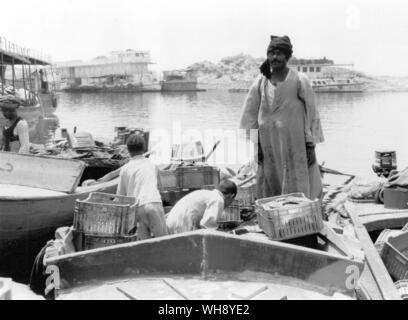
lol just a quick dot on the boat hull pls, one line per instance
(210, 253)
(179, 85)
(27, 224)
(339, 88)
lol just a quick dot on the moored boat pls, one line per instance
(217, 266)
(37, 195)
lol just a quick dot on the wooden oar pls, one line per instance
(212, 150)
(246, 180)
(331, 171)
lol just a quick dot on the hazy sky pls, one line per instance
(371, 34)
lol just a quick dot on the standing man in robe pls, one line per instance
(281, 105)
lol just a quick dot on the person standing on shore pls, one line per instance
(15, 137)
(138, 179)
(281, 106)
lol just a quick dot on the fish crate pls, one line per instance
(83, 242)
(246, 196)
(395, 256)
(384, 236)
(195, 177)
(170, 196)
(290, 222)
(107, 215)
(230, 218)
(402, 287)
(168, 179)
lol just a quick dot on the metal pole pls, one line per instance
(13, 76)
(30, 83)
(54, 85)
(2, 73)
(24, 84)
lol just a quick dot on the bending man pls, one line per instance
(201, 208)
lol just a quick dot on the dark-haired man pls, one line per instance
(281, 105)
(138, 178)
(201, 208)
(15, 137)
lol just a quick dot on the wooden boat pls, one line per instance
(37, 195)
(367, 217)
(218, 266)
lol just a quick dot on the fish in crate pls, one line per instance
(289, 216)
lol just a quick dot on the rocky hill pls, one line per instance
(231, 72)
(239, 71)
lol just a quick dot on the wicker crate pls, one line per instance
(231, 213)
(196, 177)
(168, 179)
(103, 214)
(384, 236)
(288, 223)
(84, 241)
(170, 196)
(246, 196)
(208, 187)
(395, 256)
(402, 287)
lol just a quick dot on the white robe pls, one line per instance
(287, 118)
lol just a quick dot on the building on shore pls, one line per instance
(122, 71)
(326, 76)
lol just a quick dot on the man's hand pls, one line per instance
(310, 154)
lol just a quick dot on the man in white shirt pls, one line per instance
(138, 178)
(15, 137)
(201, 208)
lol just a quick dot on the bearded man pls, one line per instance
(281, 105)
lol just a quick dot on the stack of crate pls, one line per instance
(175, 184)
(103, 220)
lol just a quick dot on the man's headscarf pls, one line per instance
(281, 43)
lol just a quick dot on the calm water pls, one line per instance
(354, 124)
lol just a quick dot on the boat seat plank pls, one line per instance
(14, 192)
(377, 267)
(375, 217)
(369, 209)
(40, 172)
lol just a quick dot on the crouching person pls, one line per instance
(138, 178)
(201, 208)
